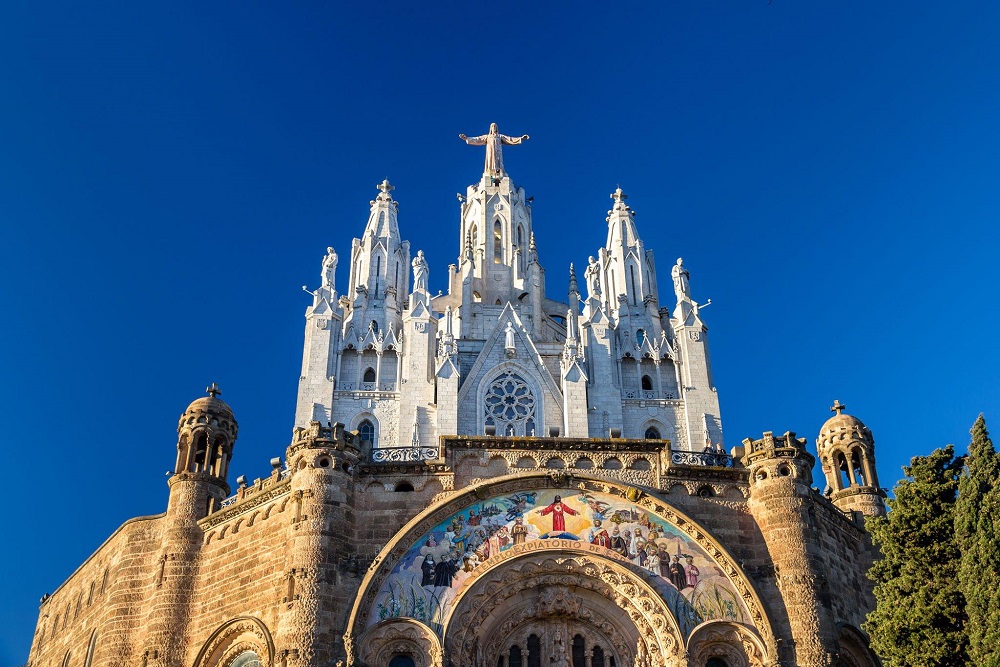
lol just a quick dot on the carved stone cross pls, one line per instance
(214, 390)
(837, 407)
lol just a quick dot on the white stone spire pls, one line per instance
(380, 269)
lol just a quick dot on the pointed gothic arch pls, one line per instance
(497, 241)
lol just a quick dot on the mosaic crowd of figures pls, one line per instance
(443, 562)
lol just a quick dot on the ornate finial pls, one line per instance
(619, 196)
(214, 390)
(531, 242)
(573, 287)
(837, 407)
(385, 187)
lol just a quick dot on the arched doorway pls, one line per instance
(556, 607)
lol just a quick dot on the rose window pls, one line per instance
(510, 406)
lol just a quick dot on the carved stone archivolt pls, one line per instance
(233, 638)
(398, 636)
(738, 645)
(560, 594)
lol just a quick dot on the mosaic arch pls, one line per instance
(441, 554)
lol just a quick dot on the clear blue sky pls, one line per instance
(171, 174)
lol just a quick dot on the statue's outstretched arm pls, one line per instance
(474, 141)
(513, 141)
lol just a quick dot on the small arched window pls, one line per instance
(369, 375)
(640, 336)
(515, 659)
(716, 662)
(403, 487)
(647, 383)
(374, 326)
(597, 659)
(366, 432)
(579, 652)
(843, 474)
(534, 651)
(652, 433)
(497, 243)
(402, 661)
(859, 473)
(631, 270)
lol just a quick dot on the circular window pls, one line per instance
(510, 406)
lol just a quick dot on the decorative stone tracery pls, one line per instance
(235, 637)
(737, 644)
(565, 592)
(399, 636)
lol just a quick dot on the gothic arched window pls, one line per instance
(647, 383)
(366, 432)
(859, 473)
(369, 375)
(497, 243)
(652, 433)
(631, 270)
(534, 651)
(510, 406)
(579, 652)
(514, 659)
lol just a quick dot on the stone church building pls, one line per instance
(490, 477)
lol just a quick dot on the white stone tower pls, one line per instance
(494, 355)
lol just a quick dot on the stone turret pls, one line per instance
(847, 452)
(322, 461)
(206, 435)
(783, 505)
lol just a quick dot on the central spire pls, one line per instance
(494, 142)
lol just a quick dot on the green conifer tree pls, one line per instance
(977, 531)
(919, 616)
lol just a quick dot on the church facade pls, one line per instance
(490, 477)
